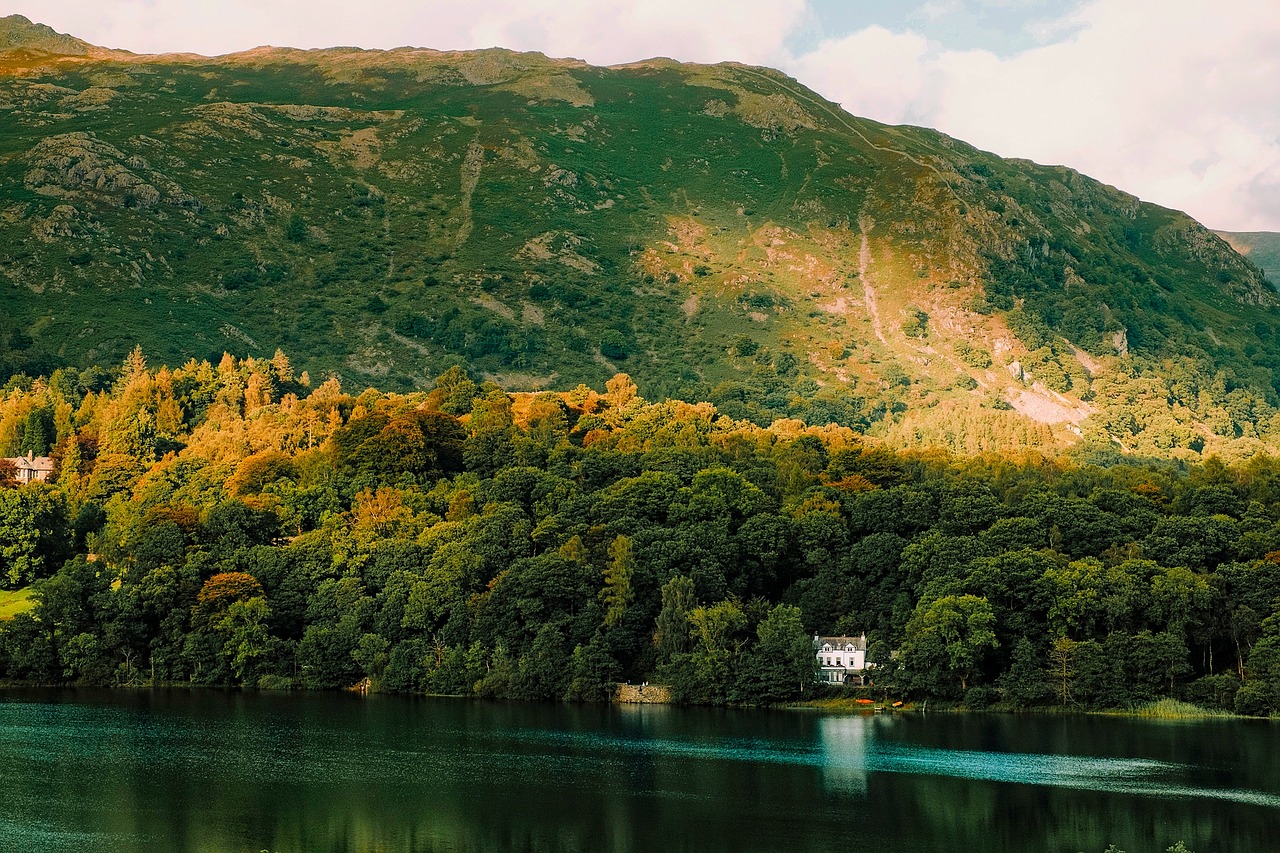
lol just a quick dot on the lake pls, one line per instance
(203, 770)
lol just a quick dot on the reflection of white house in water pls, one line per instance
(845, 741)
(842, 660)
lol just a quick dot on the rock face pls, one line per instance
(643, 694)
(78, 164)
(720, 232)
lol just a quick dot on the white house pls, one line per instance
(32, 468)
(841, 660)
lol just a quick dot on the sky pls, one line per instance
(1176, 101)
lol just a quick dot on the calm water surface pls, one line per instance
(210, 771)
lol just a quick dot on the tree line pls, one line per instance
(231, 524)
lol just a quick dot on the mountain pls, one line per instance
(719, 232)
(18, 33)
(1261, 247)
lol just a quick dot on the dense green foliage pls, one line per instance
(721, 232)
(229, 525)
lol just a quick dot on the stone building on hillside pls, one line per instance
(32, 468)
(841, 660)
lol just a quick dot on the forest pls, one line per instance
(236, 525)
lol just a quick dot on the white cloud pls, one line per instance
(600, 31)
(1173, 101)
(705, 31)
(873, 73)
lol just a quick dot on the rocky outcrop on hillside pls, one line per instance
(74, 164)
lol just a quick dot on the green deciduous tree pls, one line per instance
(781, 664)
(707, 673)
(947, 639)
(1026, 682)
(593, 673)
(34, 536)
(1260, 695)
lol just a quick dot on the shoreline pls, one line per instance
(1164, 710)
(1167, 710)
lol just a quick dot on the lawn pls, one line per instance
(13, 602)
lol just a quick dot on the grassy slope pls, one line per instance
(383, 215)
(13, 602)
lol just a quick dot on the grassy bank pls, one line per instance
(850, 703)
(13, 602)
(1171, 709)
(1163, 709)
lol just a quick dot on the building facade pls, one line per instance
(841, 660)
(32, 468)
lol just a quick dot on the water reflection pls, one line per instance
(210, 771)
(845, 742)
(850, 751)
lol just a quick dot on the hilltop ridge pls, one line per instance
(17, 32)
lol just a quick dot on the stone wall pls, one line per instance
(652, 694)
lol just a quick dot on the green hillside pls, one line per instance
(719, 232)
(1261, 247)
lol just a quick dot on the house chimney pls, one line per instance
(31, 455)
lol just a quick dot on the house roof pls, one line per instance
(858, 643)
(31, 462)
